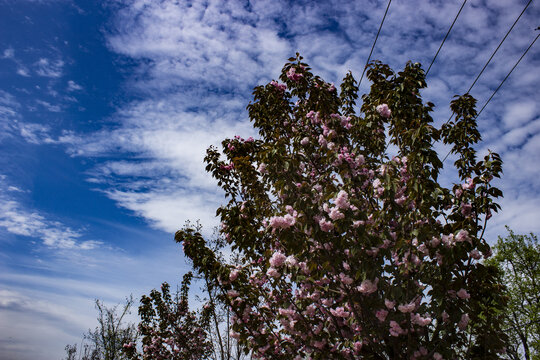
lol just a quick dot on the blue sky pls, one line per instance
(106, 109)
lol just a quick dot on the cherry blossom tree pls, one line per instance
(350, 247)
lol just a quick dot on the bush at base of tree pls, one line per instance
(347, 251)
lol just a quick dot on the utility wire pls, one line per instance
(502, 82)
(374, 42)
(497, 49)
(489, 60)
(506, 77)
(440, 47)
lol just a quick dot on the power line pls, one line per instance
(440, 47)
(506, 77)
(502, 82)
(497, 49)
(374, 42)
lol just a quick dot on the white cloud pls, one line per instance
(73, 86)
(9, 114)
(8, 53)
(16, 219)
(201, 60)
(23, 71)
(518, 114)
(49, 68)
(50, 107)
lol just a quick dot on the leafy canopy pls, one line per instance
(347, 251)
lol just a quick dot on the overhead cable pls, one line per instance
(497, 49)
(374, 42)
(442, 43)
(502, 82)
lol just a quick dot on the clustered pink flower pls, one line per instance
(381, 314)
(463, 294)
(463, 322)
(384, 111)
(233, 275)
(325, 225)
(273, 272)
(278, 259)
(340, 312)
(282, 222)
(389, 304)
(368, 287)
(463, 235)
(420, 320)
(395, 329)
(407, 308)
(280, 87)
(291, 74)
(469, 185)
(342, 200)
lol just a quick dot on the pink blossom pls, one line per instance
(367, 287)
(437, 356)
(335, 214)
(389, 304)
(419, 320)
(340, 312)
(448, 240)
(342, 200)
(233, 275)
(347, 280)
(466, 209)
(400, 200)
(357, 346)
(445, 316)
(322, 141)
(234, 334)
(475, 254)
(273, 273)
(325, 225)
(395, 329)
(463, 294)
(407, 308)
(304, 141)
(291, 261)
(291, 74)
(381, 314)
(469, 185)
(463, 322)
(463, 235)
(277, 260)
(282, 222)
(280, 87)
(233, 293)
(384, 111)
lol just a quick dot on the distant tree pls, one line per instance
(518, 256)
(106, 341)
(71, 351)
(111, 334)
(218, 315)
(169, 329)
